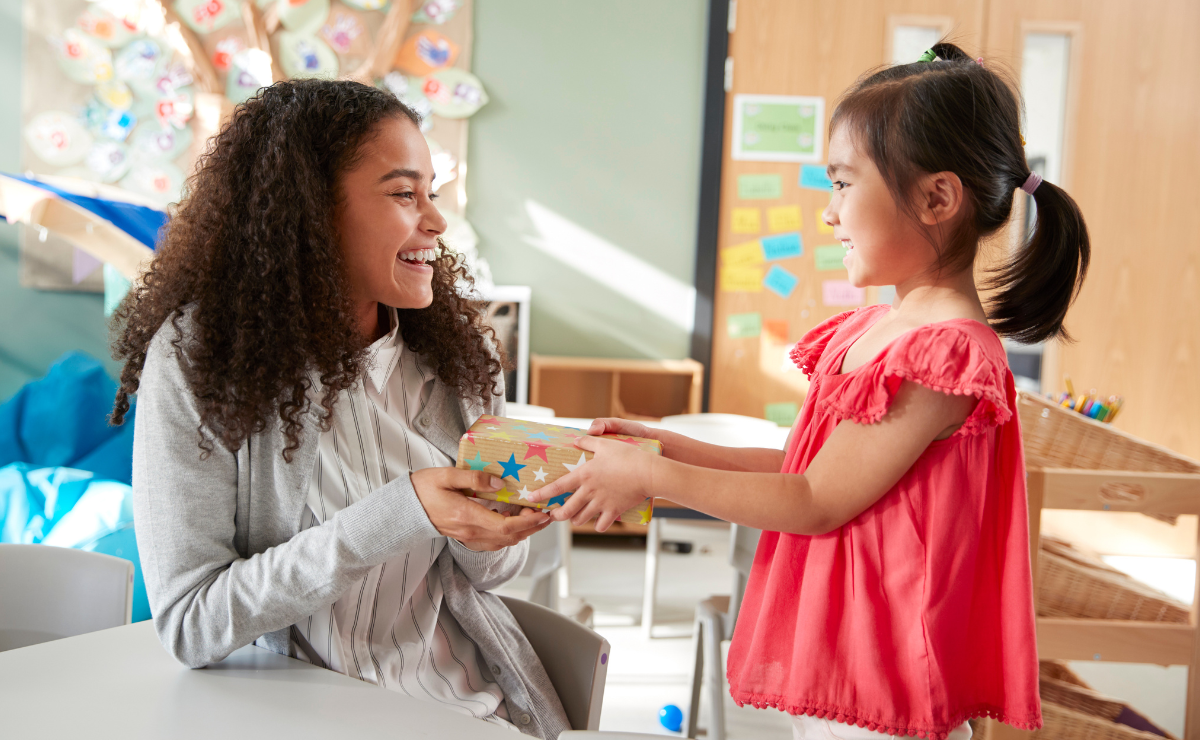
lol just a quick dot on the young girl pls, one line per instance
(891, 591)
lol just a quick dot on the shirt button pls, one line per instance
(424, 421)
(525, 719)
(495, 670)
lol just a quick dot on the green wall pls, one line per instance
(590, 147)
(35, 326)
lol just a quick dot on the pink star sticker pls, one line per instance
(627, 440)
(536, 450)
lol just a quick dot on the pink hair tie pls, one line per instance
(979, 61)
(1032, 182)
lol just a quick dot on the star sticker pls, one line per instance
(504, 495)
(628, 440)
(570, 467)
(470, 437)
(646, 515)
(500, 435)
(539, 435)
(525, 492)
(559, 499)
(478, 463)
(540, 475)
(522, 427)
(536, 450)
(493, 428)
(512, 469)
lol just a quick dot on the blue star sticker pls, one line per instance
(539, 435)
(512, 468)
(478, 463)
(560, 499)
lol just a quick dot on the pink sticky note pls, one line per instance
(83, 265)
(841, 293)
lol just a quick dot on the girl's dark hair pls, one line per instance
(253, 254)
(955, 115)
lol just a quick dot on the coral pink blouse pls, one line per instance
(918, 614)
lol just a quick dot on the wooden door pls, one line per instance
(803, 48)
(1132, 162)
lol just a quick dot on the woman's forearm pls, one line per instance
(701, 454)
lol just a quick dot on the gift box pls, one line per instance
(526, 456)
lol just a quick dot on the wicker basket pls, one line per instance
(1072, 584)
(1060, 438)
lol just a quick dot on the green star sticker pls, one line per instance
(478, 463)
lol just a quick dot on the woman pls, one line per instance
(305, 368)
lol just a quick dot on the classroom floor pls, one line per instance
(646, 674)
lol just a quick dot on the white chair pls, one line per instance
(55, 592)
(715, 618)
(589, 735)
(575, 659)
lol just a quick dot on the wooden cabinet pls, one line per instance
(581, 387)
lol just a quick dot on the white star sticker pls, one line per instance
(525, 492)
(540, 476)
(493, 428)
(582, 460)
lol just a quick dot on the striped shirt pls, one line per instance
(392, 628)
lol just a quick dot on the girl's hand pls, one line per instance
(614, 481)
(619, 426)
(441, 492)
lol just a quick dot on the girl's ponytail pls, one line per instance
(1043, 277)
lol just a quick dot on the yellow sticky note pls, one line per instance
(746, 220)
(741, 279)
(783, 218)
(750, 253)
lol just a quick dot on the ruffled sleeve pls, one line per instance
(950, 359)
(808, 350)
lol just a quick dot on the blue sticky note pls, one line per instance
(780, 281)
(782, 246)
(813, 176)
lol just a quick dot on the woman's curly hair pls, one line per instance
(252, 254)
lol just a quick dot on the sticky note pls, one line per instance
(782, 246)
(780, 281)
(822, 227)
(750, 253)
(829, 257)
(740, 279)
(841, 293)
(743, 325)
(745, 220)
(776, 330)
(813, 177)
(783, 414)
(783, 218)
(759, 187)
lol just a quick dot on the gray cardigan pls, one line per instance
(225, 561)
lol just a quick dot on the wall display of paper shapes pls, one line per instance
(778, 128)
(425, 53)
(117, 96)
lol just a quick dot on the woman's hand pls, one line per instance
(441, 492)
(615, 480)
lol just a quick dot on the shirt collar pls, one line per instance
(383, 354)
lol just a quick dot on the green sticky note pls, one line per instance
(829, 257)
(760, 187)
(783, 414)
(744, 325)
(778, 128)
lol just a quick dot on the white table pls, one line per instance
(121, 684)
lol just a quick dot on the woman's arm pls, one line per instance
(857, 465)
(690, 451)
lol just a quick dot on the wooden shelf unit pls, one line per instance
(1116, 640)
(584, 387)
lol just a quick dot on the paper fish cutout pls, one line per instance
(82, 58)
(304, 17)
(436, 11)
(306, 56)
(105, 27)
(249, 70)
(114, 94)
(152, 142)
(425, 53)
(206, 16)
(454, 93)
(108, 160)
(223, 57)
(58, 139)
(161, 182)
(340, 31)
(138, 61)
(175, 110)
(408, 89)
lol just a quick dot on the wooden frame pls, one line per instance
(592, 387)
(1115, 640)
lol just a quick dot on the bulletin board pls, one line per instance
(779, 271)
(127, 93)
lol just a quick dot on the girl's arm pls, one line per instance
(857, 465)
(694, 452)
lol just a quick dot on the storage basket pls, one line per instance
(1060, 438)
(1072, 584)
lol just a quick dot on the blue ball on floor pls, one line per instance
(671, 717)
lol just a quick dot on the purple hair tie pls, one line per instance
(1032, 182)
